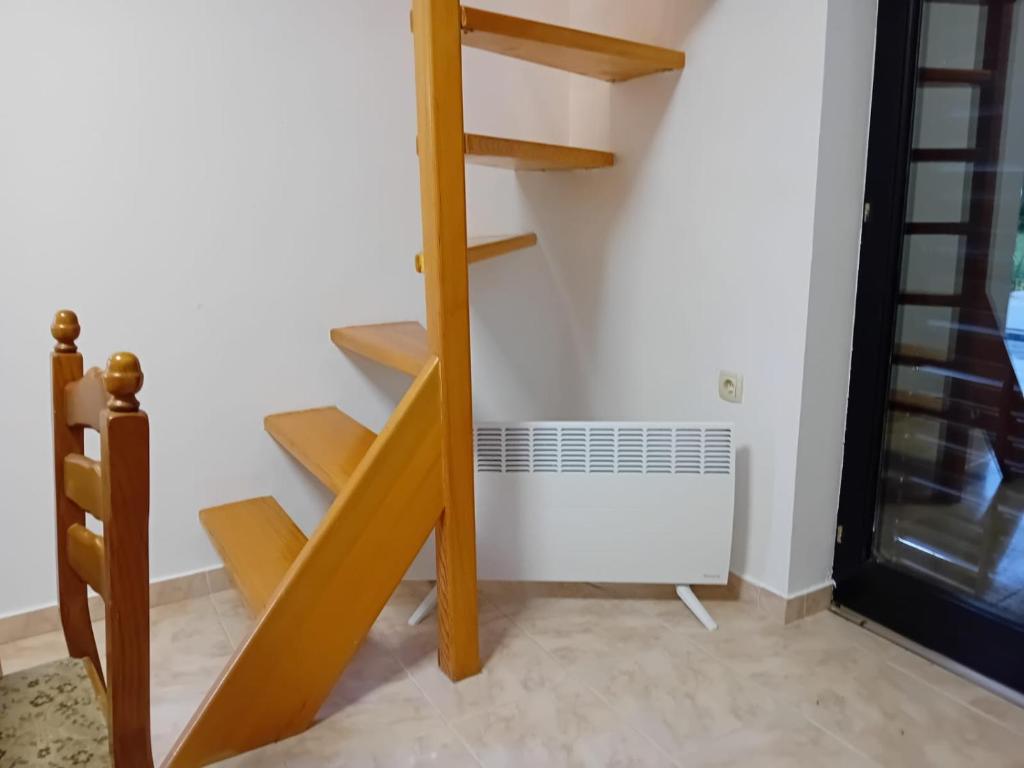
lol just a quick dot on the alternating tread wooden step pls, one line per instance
(520, 155)
(402, 346)
(278, 680)
(325, 441)
(258, 543)
(490, 246)
(585, 53)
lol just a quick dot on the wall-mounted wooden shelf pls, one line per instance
(584, 53)
(531, 155)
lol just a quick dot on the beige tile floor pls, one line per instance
(597, 676)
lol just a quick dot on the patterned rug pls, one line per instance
(50, 717)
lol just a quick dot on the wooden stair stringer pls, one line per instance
(278, 679)
(571, 50)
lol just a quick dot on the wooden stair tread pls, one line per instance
(258, 542)
(585, 53)
(490, 246)
(402, 346)
(325, 441)
(521, 155)
(279, 678)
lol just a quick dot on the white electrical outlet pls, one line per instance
(730, 387)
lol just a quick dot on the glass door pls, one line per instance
(933, 485)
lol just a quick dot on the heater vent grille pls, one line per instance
(604, 448)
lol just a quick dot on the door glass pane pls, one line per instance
(951, 507)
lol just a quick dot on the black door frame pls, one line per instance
(924, 612)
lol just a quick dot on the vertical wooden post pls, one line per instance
(124, 436)
(72, 595)
(437, 33)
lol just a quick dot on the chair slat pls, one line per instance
(83, 484)
(87, 557)
(86, 399)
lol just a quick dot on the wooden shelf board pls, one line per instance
(531, 155)
(325, 441)
(489, 246)
(258, 542)
(402, 346)
(572, 50)
(486, 247)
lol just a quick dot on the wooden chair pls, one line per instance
(68, 712)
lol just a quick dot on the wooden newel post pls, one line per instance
(437, 34)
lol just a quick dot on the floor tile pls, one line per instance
(593, 674)
(32, 651)
(783, 740)
(189, 649)
(960, 689)
(671, 690)
(561, 725)
(234, 614)
(732, 616)
(857, 695)
(377, 717)
(514, 666)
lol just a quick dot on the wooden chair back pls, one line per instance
(115, 490)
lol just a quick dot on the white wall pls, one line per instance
(213, 185)
(725, 215)
(842, 152)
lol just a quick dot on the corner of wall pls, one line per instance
(845, 113)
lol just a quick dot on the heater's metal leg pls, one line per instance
(687, 596)
(425, 608)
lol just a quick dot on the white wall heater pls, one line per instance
(644, 502)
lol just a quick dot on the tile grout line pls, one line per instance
(959, 702)
(447, 723)
(223, 626)
(896, 647)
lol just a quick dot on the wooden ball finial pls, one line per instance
(123, 380)
(65, 330)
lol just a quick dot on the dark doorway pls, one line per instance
(931, 515)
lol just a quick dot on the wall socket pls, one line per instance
(730, 386)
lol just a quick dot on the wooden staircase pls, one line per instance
(315, 600)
